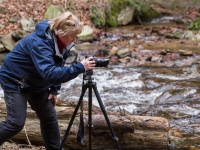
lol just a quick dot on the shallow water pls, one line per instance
(161, 92)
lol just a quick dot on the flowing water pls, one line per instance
(172, 93)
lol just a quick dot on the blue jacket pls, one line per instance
(35, 64)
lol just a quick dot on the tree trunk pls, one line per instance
(133, 132)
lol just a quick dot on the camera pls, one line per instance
(100, 62)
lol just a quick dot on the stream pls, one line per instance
(169, 92)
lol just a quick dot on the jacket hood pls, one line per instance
(41, 28)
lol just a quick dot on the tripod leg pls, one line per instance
(105, 114)
(84, 88)
(90, 126)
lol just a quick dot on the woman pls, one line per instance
(34, 70)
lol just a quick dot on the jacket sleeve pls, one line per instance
(54, 89)
(42, 56)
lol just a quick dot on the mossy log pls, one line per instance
(134, 132)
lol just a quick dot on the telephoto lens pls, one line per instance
(101, 62)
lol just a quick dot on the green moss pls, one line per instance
(106, 14)
(97, 18)
(195, 25)
(174, 4)
(178, 142)
(150, 13)
(112, 15)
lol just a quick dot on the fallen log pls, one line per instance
(134, 132)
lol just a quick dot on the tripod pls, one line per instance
(90, 85)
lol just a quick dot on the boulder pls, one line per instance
(52, 12)
(86, 34)
(8, 42)
(125, 16)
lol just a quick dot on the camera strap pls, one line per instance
(80, 134)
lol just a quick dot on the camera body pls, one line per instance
(100, 62)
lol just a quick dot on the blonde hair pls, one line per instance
(66, 24)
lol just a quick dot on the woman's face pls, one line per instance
(68, 39)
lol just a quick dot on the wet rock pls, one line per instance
(132, 63)
(131, 42)
(188, 35)
(144, 55)
(156, 58)
(185, 53)
(164, 52)
(113, 51)
(123, 53)
(171, 57)
(193, 70)
(128, 35)
(125, 60)
(151, 84)
(172, 36)
(169, 63)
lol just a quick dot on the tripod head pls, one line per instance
(88, 75)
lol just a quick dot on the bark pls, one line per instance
(133, 132)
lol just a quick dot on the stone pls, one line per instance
(185, 53)
(28, 24)
(113, 51)
(19, 34)
(2, 48)
(13, 19)
(1, 1)
(123, 53)
(188, 35)
(125, 16)
(8, 42)
(86, 34)
(52, 12)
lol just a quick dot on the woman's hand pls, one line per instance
(88, 63)
(53, 98)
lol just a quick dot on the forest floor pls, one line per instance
(36, 9)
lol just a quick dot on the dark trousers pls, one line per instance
(16, 105)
